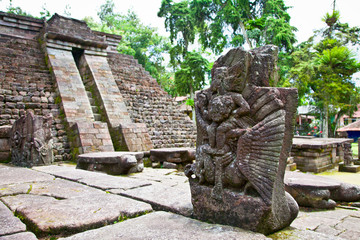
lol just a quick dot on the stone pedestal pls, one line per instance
(238, 209)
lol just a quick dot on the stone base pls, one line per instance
(114, 163)
(350, 168)
(236, 209)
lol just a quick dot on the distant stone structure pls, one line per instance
(320, 154)
(31, 141)
(244, 138)
(100, 100)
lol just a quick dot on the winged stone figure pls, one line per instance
(244, 137)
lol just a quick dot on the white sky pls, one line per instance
(305, 15)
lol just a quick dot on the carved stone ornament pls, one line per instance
(31, 141)
(244, 135)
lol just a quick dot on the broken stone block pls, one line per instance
(172, 155)
(319, 192)
(114, 163)
(244, 135)
(31, 141)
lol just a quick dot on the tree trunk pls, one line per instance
(242, 26)
(326, 121)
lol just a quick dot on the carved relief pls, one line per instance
(242, 124)
(31, 141)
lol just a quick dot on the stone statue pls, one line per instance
(243, 141)
(31, 141)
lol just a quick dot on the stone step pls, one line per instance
(95, 109)
(97, 117)
(92, 101)
(89, 94)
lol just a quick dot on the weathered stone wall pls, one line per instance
(26, 83)
(5, 143)
(149, 104)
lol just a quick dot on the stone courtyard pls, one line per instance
(61, 201)
(65, 93)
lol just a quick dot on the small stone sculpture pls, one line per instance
(243, 141)
(31, 141)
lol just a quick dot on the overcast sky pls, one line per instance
(305, 15)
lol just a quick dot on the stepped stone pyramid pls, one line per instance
(100, 100)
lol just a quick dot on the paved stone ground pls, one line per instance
(61, 201)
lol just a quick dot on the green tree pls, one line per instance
(141, 41)
(219, 24)
(323, 71)
(191, 75)
(190, 66)
(231, 23)
(179, 22)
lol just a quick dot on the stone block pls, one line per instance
(172, 155)
(4, 145)
(114, 163)
(5, 157)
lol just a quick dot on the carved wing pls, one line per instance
(259, 150)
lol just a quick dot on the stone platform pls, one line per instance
(61, 201)
(318, 154)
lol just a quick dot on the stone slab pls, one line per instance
(108, 157)
(297, 234)
(163, 225)
(336, 224)
(173, 198)
(318, 143)
(169, 191)
(11, 175)
(301, 180)
(93, 179)
(160, 175)
(19, 236)
(319, 192)
(54, 188)
(350, 168)
(58, 216)
(9, 224)
(173, 155)
(115, 163)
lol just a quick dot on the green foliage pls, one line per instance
(219, 24)
(191, 75)
(232, 23)
(323, 71)
(17, 10)
(44, 13)
(178, 20)
(138, 40)
(190, 102)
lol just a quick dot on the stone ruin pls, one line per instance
(100, 100)
(31, 141)
(245, 130)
